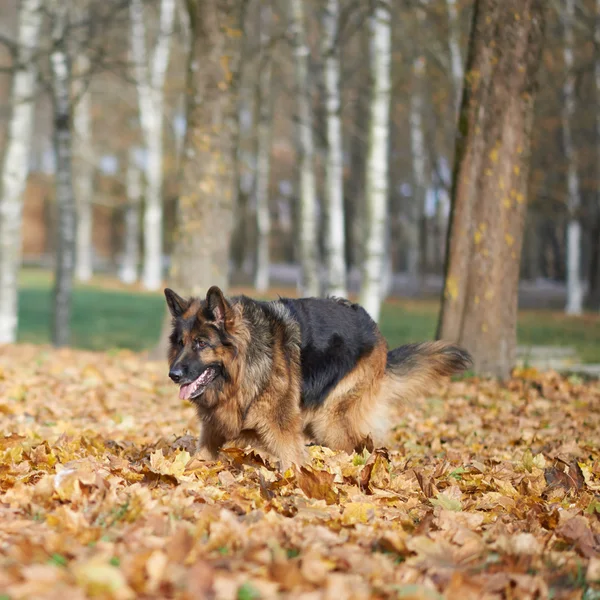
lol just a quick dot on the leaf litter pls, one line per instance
(484, 490)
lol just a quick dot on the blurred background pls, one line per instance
(102, 105)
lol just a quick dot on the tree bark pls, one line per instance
(574, 287)
(204, 218)
(65, 198)
(84, 170)
(131, 247)
(308, 244)
(335, 243)
(150, 86)
(263, 151)
(15, 160)
(456, 61)
(371, 295)
(479, 302)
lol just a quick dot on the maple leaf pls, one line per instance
(317, 484)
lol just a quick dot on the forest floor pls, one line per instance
(108, 315)
(483, 491)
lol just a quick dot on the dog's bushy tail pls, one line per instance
(414, 369)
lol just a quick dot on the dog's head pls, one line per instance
(201, 348)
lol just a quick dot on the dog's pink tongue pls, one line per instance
(185, 391)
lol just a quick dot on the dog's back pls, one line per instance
(335, 335)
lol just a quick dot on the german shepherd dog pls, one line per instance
(275, 375)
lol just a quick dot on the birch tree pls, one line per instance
(263, 147)
(479, 302)
(83, 168)
(131, 247)
(150, 79)
(371, 295)
(15, 159)
(456, 61)
(308, 194)
(61, 81)
(594, 289)
(334, 187)
(574, 287)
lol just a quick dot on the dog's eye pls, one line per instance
(199, 344)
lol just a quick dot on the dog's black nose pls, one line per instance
(176, 374)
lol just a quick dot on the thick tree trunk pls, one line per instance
(131, 247)
(335, 244)
(308, 228)
(150, 86)
(263, 152)
(15, 160)
(479, 303)
(371, 295)
(205, 206)
(84, 171)
(65, 198)
(574, 287)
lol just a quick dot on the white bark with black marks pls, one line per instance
(263, 158)
(371, 295)
(308, 192)
(150, 79)
(334, 188)
(14, 166)
(65, 198)
(84, 170)
(131, 247)
(574, 287)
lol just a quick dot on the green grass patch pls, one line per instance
(107, 316)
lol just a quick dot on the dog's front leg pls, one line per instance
(210, 443)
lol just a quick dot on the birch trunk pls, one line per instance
(334, 191)
(131, 246)
(308, 192)
(420, 179)
(84, 172)
(263, 158)
(456, 61)
(371, 295)
(65, 199)
(15, 159)
(150, 87)
(574, 288)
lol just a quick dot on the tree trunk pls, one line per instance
(204, 219)
(150, 87)
(308, 193)
(15, 160)
(263, 151)
(131, 247)
(84, 171)
(415, 259)
(479, 302)
(456, 61)
(594, 289)
(574, 288)
(335, 244)
(371, 295)
(65, 199)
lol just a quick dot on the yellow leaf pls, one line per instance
(358, 512)
(446, 502)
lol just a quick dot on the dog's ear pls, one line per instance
(177, 305)
(217, 304)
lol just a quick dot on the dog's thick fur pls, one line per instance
(285, 372)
